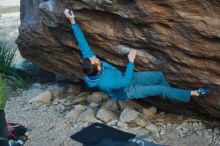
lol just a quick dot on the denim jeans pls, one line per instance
(153, 83)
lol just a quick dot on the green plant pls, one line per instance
(7, 70)
(2, 93)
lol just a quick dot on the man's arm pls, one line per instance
(117, 82)
(128, 75)
(82, 43)
(130, 67)
(80, 38)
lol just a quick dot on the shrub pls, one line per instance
(7, 70)
(2, 94)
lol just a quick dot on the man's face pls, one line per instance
(95, 61)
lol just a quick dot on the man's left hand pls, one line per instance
(69, 14)
(132, 55)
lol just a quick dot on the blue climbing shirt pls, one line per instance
(110, 80)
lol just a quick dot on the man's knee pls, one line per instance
(164, 91)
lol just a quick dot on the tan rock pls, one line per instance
(106, 115)
(74, 89)
(43, 98)
(87, 116)
(152, 128)
(112, 105)
(130, 104)
(122, 125)
(97, 97)
(56, 91)
(80, 100)
(112, 123)
(131, 116)
(141, 121)
(128, 115)
(73, 115)
(94, 105)
(150, 112)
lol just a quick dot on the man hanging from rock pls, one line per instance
(130, 84)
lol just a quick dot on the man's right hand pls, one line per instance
(132, 55)
(69, 14)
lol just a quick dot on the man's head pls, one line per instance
(91, 66)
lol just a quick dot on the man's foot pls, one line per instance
(204, 91)
(201, 91)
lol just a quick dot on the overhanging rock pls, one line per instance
(181, 38)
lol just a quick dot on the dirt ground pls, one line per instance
(50, 128)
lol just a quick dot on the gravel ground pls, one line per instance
(50, 128)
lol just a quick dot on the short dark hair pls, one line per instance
(88, 68)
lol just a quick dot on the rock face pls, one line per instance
(181, 38)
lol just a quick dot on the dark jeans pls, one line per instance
(3, 129)
(153, 83)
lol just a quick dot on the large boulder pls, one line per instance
(181, 38)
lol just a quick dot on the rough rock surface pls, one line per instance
(181, 38)
(74, 114)
(106, 115)
(87, 116)
(149, 112)
(97, 97)
(128, 115)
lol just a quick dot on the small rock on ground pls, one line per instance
(106, 115)
(44, 98)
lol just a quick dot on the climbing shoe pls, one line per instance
(204, 90)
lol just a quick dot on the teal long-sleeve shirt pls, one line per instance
(112, 81)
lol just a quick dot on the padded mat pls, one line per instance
(96, 132)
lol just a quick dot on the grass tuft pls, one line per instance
(2, 93)
(7, 70)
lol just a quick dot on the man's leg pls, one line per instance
(150, 78)
(175, 94)
(3, 129)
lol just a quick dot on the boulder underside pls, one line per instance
(180, 38)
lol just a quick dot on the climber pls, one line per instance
(130, 84)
